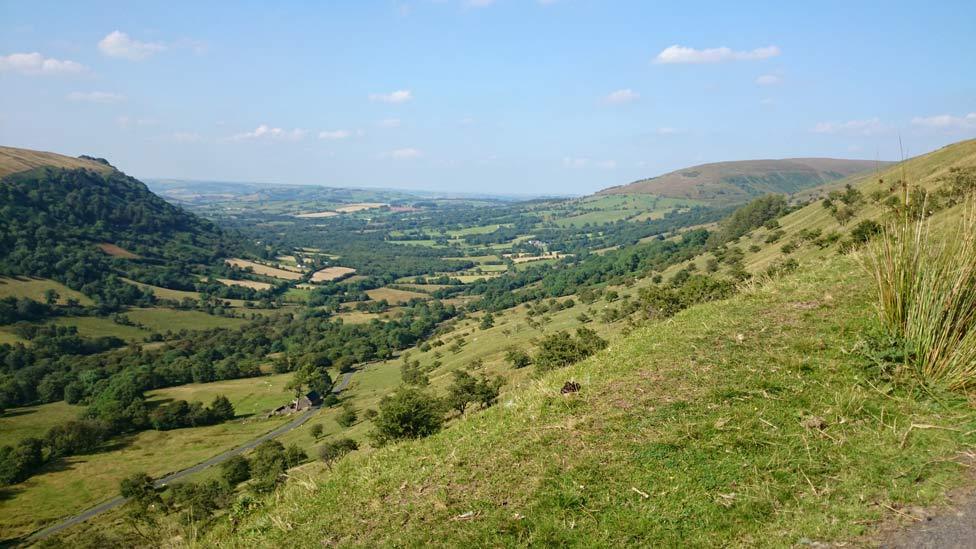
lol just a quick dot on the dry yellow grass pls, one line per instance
(116, 251)
(13, 160)
(245, 283)
(393, 296)
(358, 207)
(266, 270)
(332, 273)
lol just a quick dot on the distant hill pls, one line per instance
(82, 222)
(739, 181)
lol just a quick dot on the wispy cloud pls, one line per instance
(946, 122)
(120, 44)
(869, 126)
(96, 97)
(35, 63)
(682, 54)
(406, 153)
(267, 132)
(480, 3)
(621, 97)
(399, 96)
(768, 80)
(665, 130)
(389, 123)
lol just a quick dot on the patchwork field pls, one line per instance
(394, 296)
(261, 269)
(246, 283)
(95, 326)
(360, 206)
(316, 215)
(332, 273)
(17, 424)
(250, 396)
(166, 293)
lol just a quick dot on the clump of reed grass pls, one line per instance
(925, 279)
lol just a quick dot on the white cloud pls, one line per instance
(406, 153)
(621, 97)
(607, 164)
(35, 63)
(334, 134)
(869, 126)
(946, 122)
(665, 130)
(399, 96)
(120, 44)
(480, 3)
(96, 97)
(389, 123)
(267, 132)
(768, 80)
(683, 54)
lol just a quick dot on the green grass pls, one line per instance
(34, 288)
(94, 326)
(746, 422)
(162, 319)
(17, 424)
(249, 395)
(71, 485)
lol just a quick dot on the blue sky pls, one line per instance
(513, 96)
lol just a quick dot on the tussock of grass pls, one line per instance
(925, 282)
(744, 422)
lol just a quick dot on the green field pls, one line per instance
(162, 319)
(34, 288)
(250, 396)
(95, 326)
(33, 421)
(70, 485)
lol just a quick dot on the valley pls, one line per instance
(636, 297)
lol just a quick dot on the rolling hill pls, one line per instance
(739, 181)
(80, 221)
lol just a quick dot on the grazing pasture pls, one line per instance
(35, 288)
(394, 296)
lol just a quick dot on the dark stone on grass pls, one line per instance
(570, 387)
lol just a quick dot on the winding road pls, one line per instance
(216, 460)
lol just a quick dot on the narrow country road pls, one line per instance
(220, 458)
(341, 386)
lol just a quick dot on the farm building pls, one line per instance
(300, 404)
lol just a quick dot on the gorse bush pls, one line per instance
(926, 286)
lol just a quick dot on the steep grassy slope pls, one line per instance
(731, 182)
(748, 421)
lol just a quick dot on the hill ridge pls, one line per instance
(739, 180)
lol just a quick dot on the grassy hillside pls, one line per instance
(745, 422)
(731, 182)
(13, 160)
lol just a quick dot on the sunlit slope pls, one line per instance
(732, 182)
(13, 160)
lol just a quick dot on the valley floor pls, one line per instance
(754, 421)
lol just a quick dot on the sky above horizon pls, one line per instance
(490, 96)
